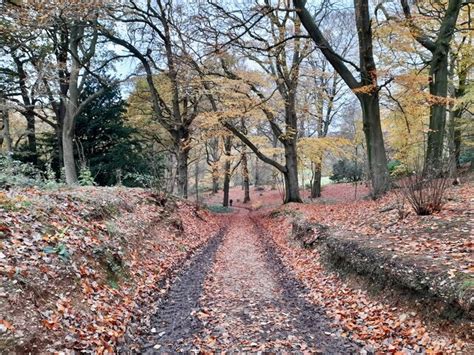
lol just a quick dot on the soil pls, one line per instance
(173, 324)
(236, 295)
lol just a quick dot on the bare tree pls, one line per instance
(323, 94)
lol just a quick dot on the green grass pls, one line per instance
(325, 180)
(219, 209)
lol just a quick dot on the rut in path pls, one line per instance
(245, 301)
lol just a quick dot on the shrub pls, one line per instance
(85, 177)
(400, 170)
(153, 177)
(14, 173)
(424, 191)
(346, 171)
(467, 156)
(219, 209)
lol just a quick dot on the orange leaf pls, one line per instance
(51, 324)
(6, 324)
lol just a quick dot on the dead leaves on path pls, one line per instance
(376, 325)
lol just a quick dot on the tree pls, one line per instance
(438, 76)
(158, 26)
(323, 98)
(461, 64)
(366, 89)
(433, 27)
(104, 142)
(279, 55)
(227, 169)
(20, 49)
(69, 30)
(81, 56)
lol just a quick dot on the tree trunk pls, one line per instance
(182, 148)
(215, 184)
(6, 137)
(439, 92)
(226, 186)
(31, 154)
(257, 173)
(57, 158)
(31, 136)
(457, 147)
(451, 144)
(454, 141)
(172, 174)
(182, 171)
(196, 181)
(72, 104)
(227, 151)
(68, 148)
(369, 100)
(292, 193)
(376, 156)
(457, 115)
(316, 185)
(303, 185)
(439, 87)
(1, 132)
(274, 171)
(245, 177)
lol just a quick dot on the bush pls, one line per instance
(346, 171)
(400, 170)
(85, 177)
(467, 156)
(152, 177)
(14, 173)
(424, 191)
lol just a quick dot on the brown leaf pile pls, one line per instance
(75, 264)
(375, 323)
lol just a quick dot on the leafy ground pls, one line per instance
(75, 265)
(110, 269)
(442, 241)
(243, 300)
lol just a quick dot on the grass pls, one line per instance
(325, 180)
(219, 209)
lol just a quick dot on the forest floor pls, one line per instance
(113, 269)
(78, 265)
(246, 301)
(398, 284)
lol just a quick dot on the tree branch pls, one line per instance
(254, 148)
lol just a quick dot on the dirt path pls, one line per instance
(245, 301)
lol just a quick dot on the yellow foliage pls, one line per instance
(314, 149)
(140, 113)
(406, 129)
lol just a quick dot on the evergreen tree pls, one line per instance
(104, 143)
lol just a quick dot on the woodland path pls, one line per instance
(236, 295)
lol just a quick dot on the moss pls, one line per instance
(467, 283)
(113, 264)
(285, 213)
(399, 272)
